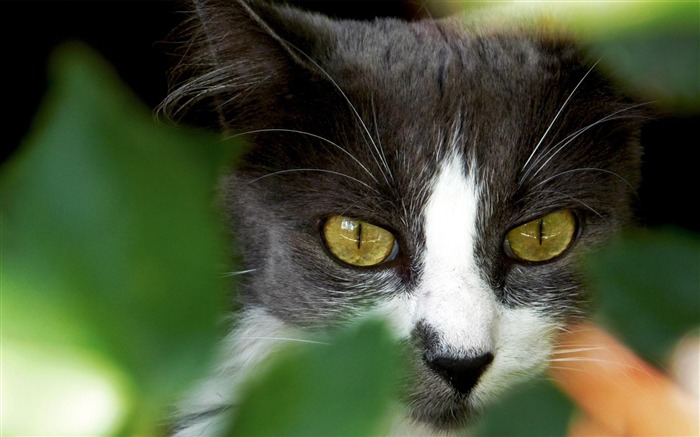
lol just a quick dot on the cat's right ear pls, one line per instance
(243, 52)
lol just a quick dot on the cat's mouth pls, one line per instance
(448, 390)
(441, 401)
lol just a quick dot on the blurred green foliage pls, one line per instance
(341, 387)
(648, 289)
(113, 260)
(110, 243)
(652, 47)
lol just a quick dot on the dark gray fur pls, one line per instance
(256, 67)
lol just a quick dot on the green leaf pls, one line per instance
(647, 285)
(111, 245)
(536, 409)
(660, 64)
(340, 388)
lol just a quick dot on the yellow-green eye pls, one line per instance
(358, 243)
(542, 239)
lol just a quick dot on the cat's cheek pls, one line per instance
(524, 342)
(398, 312)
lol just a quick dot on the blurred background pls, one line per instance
(133, 35)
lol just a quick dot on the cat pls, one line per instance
(445, 174)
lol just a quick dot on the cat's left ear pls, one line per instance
(236, 25)
(245, 46)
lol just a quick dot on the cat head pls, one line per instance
(441, 173)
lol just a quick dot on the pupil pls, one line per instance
(540, 229)
(359, 235)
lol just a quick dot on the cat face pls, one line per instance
(444, 178)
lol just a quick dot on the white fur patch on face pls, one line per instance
(523, 343)
(455, 300)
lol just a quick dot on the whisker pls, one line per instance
(287, 339)
(566, 368)
(249, 91)
(569, 329)
(589, 360)
(423, 7)
(210, 83)
(577, 201)
(611, 363)
(554, 150)
(580, 349)
(364, 199)
(320, 170)
(556, 117)
(382, 155)
(580, 169)
(310, 135)
(241, 272)
(352, 107)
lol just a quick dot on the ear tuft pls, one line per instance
(235, 47)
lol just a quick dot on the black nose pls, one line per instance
(461, 373)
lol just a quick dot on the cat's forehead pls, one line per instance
(417, 55)
(430, 75)
(422, 86)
